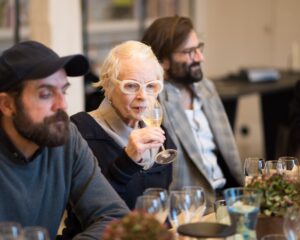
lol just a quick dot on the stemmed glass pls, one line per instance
(35, 233)
(179, 208)
(273, 166)
(10, 231)
(162, 195)
(197, 204)
(152, 116)
(290, 166)
(291, 224)
(151, 204)
(253, 167)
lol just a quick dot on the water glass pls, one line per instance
(10, 231)
(198, 204)
(243, 208)
(291, 224)
(162, 195)
(35, 233)
(152, 205)
(253, 167)
(222, 215)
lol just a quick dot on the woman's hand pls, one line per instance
(143, 139)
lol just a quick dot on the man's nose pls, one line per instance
(199, 56)
(60, 102)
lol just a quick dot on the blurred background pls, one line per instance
(238, 35)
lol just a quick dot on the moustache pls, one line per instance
(59, 116)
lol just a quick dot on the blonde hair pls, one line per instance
(128, 50)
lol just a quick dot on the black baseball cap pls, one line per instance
(32, 60)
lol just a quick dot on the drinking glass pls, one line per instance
(197, 204)
(162, 194)
(253, 167)
(179, 208)
(221, 212)
(10, 231)
(152, 116)
(290, 166)
(243, 208)
(291, 224)
(273, 166)
(35, 233)
(152, 205)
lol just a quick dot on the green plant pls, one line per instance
(137, 225)
(279, 194)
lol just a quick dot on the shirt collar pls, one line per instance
(17, 156)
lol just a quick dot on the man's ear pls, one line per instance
(165, 63)
(7, 105)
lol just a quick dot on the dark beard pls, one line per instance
(185, 74)
(49, 133)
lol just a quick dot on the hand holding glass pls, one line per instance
(152, 116)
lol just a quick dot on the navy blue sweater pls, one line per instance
(128, 178)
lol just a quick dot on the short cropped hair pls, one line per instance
(128, 50)
(166, 34)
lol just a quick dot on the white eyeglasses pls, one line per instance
(133, 87)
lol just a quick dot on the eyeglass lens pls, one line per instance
(133, 87)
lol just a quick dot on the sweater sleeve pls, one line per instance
(93, 200)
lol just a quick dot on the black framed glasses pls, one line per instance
(193, 50)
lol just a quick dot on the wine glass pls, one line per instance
(162, 194)
(197, 202)
(151, 204)
(179, 208)
(291, 224)
(253, 167)
(35, 233)
(152, 116)
(273, 166)
(10, 231)
(290, 166)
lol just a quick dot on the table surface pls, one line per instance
(233, 87)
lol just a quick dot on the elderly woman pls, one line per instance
(125, 149)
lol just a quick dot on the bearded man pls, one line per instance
(45, 163)
(193, 112)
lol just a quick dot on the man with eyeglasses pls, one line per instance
(194, 114)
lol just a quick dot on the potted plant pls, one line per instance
(279, 194)
(137, 225)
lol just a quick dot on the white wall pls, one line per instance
(57, 24)
(245, 33)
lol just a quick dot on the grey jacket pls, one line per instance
(188, 169)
